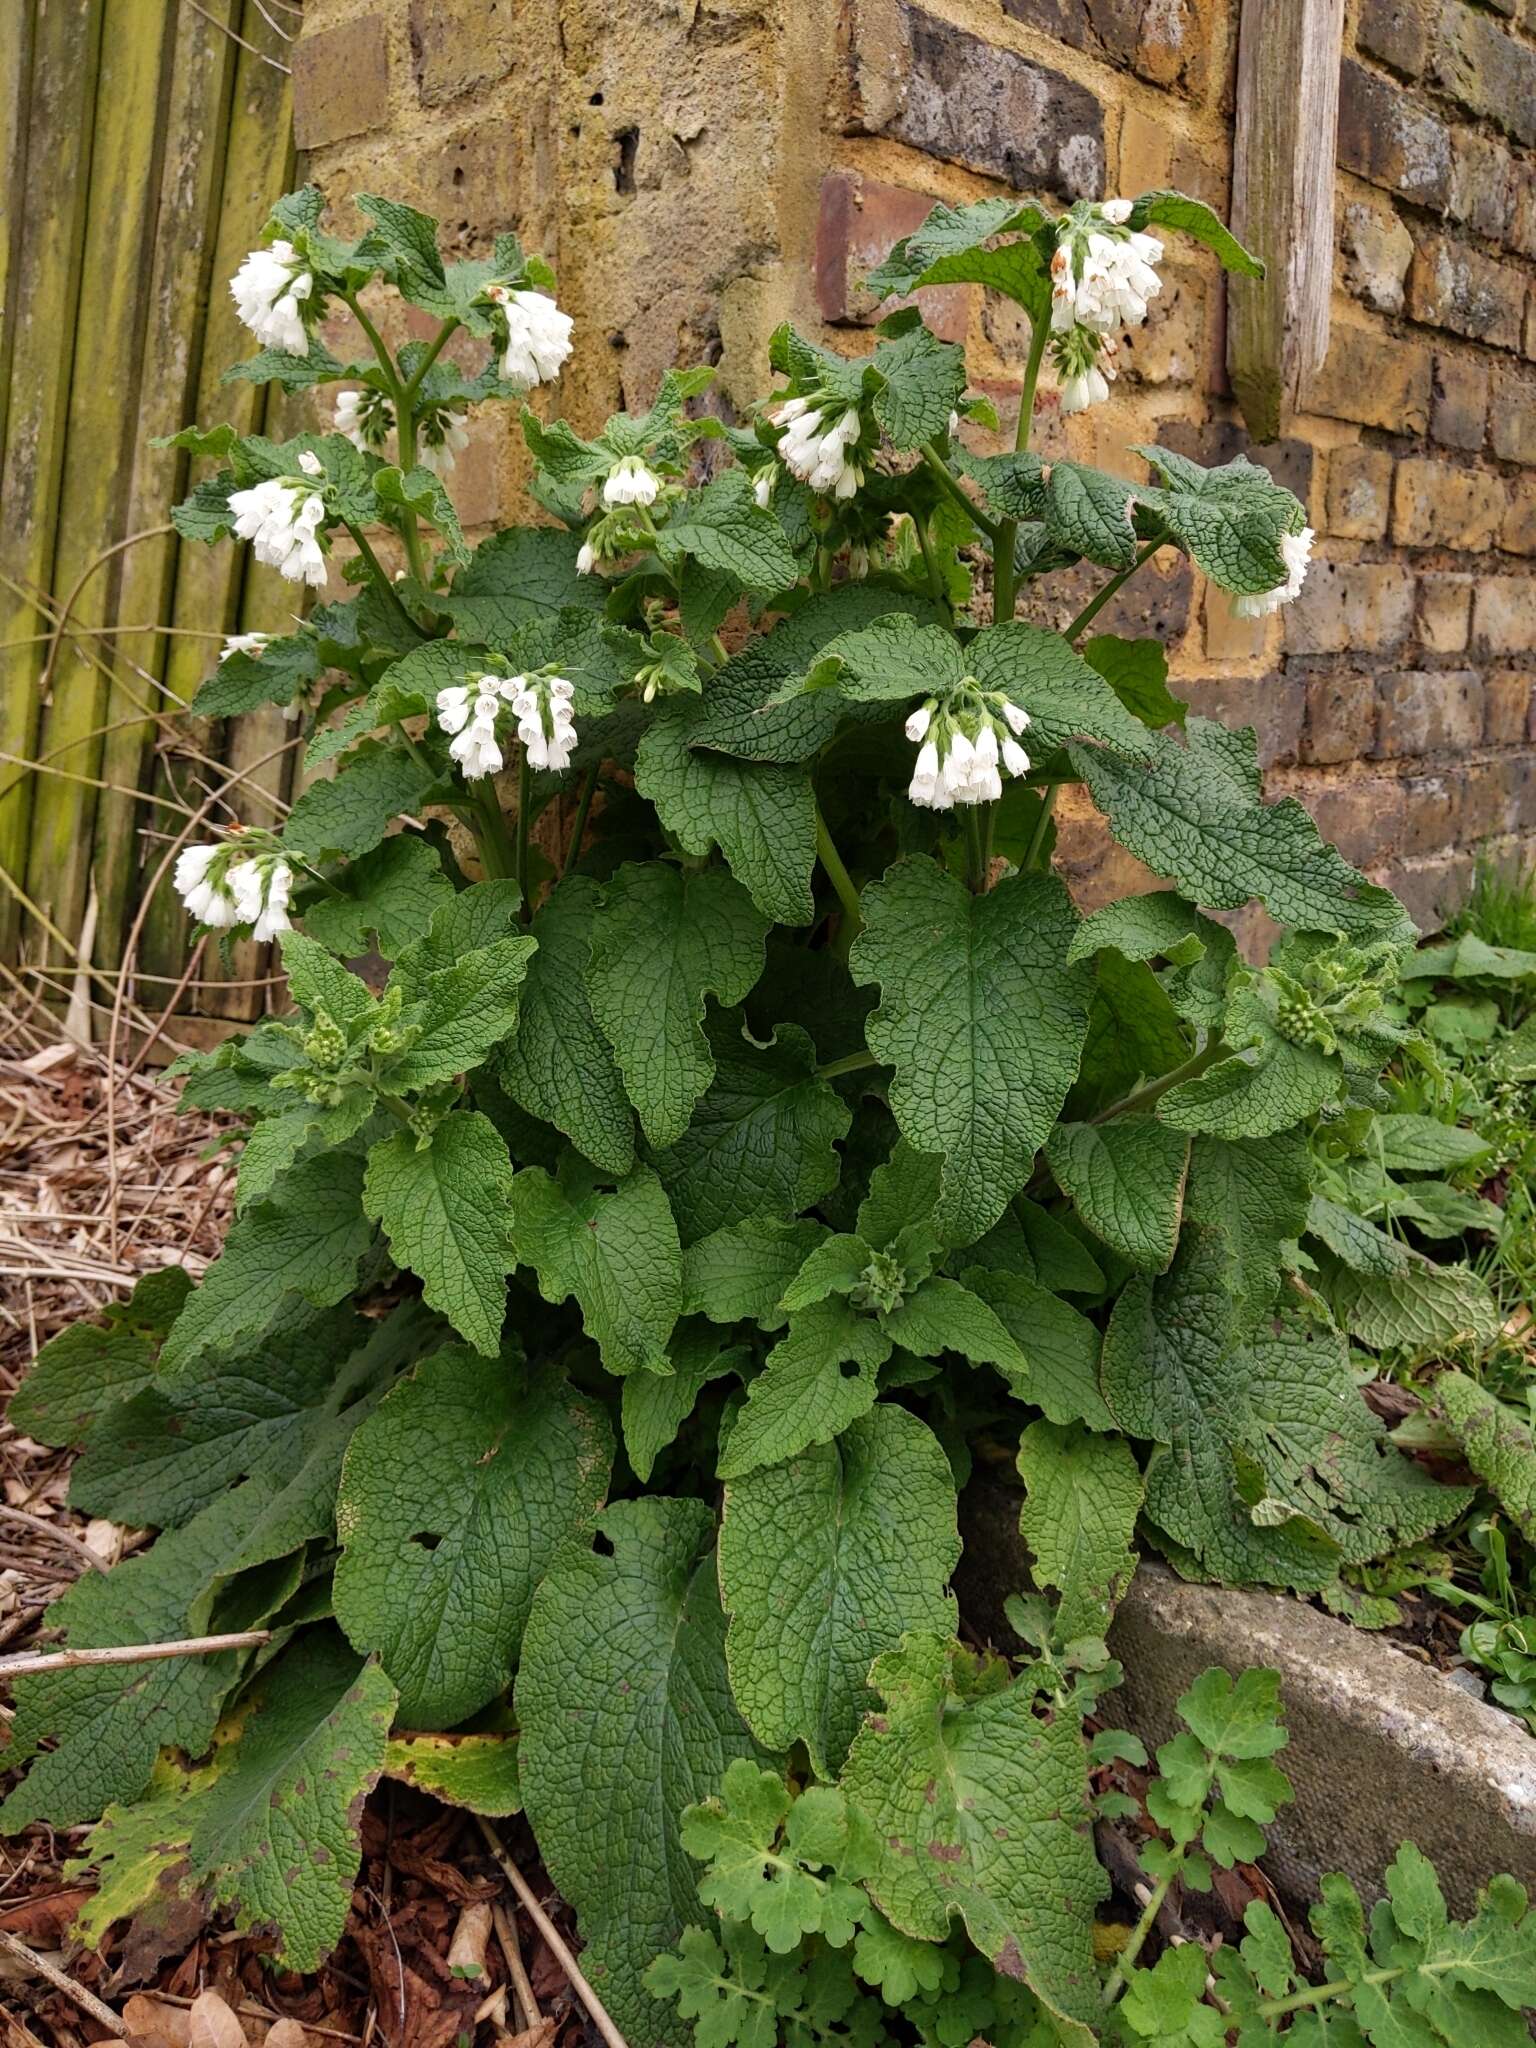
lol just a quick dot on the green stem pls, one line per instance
(376, 342)
(850, 1063)
(396, 1108)
(1096, 604)
(930, 562)
(412, 748)
(950, 483)
(496, 853)
(976, 874)
(1143, 1097)
(1033, 858)
(524, 806)
(1314, 1994)
(579, 827)
(839, 877)
(1143, 1927)
(410, 390)
(1004, 569)
(376, 570)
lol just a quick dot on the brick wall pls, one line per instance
(700, 169)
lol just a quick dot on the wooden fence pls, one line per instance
(142, 142)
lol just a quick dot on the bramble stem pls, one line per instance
(1004, 568)
(832, 861)
(1096, 604)
(579, 826)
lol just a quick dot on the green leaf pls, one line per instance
(1257, 1191)
(951, 247)
(1031, 1241)
(457, 1494)
(1422, 1144)
(1361, 1245)
(403, 242)
(826, 1560)
(665, 938)
(519, 575)
(617, 1253)
(1060, 1345)
(923, 382)
(276, 1834)
(108, 1726)
(740, 1273)
(387, 898)
(818, 1379)
(1168, 209)
(941, 1316)
(309, 1244)
(1088, 512)
(1424, 1310)
(627, 1719)
(89, 1366)
(171, 1449)
(724, 528)
(559, 1066)
(1275, 1469)
(1229, 519)
(477, 917)
(983, 1020)
(1137, 672)
(350, 813)
(1127, 1180)
(1200, 952)
(478, 1772)
(442, 1202)
(1496, 1443)
(422, 492)
(762, 1138)
(1263, 1088)
(980, 1811)
(655, 1406)
(1196, 814)
(1082, 1497)
(318, 982)
(459, 1014)
(753, 1875)
(761, 815)
(244, 682)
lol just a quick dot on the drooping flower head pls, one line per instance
(243, 643)
(365, 416)
(819, 445)
(270, 291)
(282, 519)
(1296, 553)
(442, 435)
(236, 882)
(631, 481)
(964, 746)
(538, 335)
(1103, 277)
(542, 707)
(470, 711)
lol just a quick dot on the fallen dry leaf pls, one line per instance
(213, 2024)
(286, 2034)
(151, 2024)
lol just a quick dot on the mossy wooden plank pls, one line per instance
(196, 119)
(100, 431)
(15, 80)
(46, 280)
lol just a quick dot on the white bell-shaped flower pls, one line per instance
(243, 643)
(270, 290)
(1296, 553)
(538, 336)
(282, 520)
(631, 482)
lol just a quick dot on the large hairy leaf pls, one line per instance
(89, 1366)
(818, 1378)
(457, 1493)
(456, 1015)
(627, 1718)
(983, 1020)
(826, 1561)
(1127, 1180)
(664, 939)
(1082, 1497)
(980, 1810)
(762, 1138)
(443, 1204)
(1196, 813)
(617, 1253)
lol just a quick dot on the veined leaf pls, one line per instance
(617, 1253)
(826, 1560)
(627, 1718)
(79, 1374)
(655, 1405)
(1082, 1497)
(460, 1014)
(389, 895)
(474, 1771)
(1126, 1177)
(457, 1493)
(1059, 1343)
(818, 1378)
(351, 812)
(442, 1203)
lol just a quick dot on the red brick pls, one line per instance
(1452, 286)
(1363, 818)
(1508, 706)
(1438, 505)
(1431, 811)
(1372, 377)
(1458, 412)
(1430, 711)
(1387, 138)
(1168, 45)
(340, 82)
(459, 45)
(860, 220)
(1273, 705)
(1486, 810)
(1340, 718)
(1366, 607)
(1504, 615)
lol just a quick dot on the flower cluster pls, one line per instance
(281, 518)
(538, 335)
(367, 419)
(243, 643)
(540, 704)
(1296, 553)
(819, 454)
(223, 885)
(963, 747)
(629, 490)
(1103, 276)
(631, 481)
(270, 290)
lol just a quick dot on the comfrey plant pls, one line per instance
(735, 1127)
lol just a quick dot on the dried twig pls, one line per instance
(506, 1933)
(131, 1653)
(597, 2012)
(54, 1534)
(86, 2000)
